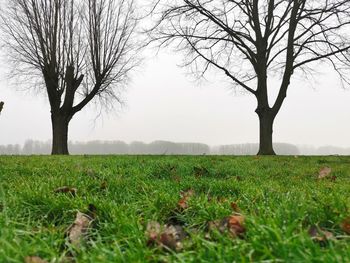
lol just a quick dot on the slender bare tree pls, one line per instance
(81, 50)
(252, 40)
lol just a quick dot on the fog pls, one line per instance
(163, 102)
(32, 147)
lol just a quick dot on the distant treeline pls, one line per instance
(32, 147)
(110, 147)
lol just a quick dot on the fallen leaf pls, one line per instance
(169, 236)
(153, 230)
(185, 196)
(34, 259)
(172, 236)
(168, 241)
(236, 225)
(66, 190)
(333, 178)
(324, 172)
(219, 225)
(79, 228)
(313, 231)
(328, 235)
(345, 225)
(235, 207)
(183, 203)
(320, 235)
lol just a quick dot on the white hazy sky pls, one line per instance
(164, 103)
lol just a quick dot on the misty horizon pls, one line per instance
(161, 147)
(210, 115)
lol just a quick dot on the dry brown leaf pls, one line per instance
(172, 236)
(345, 225)
(153, 230)
(313, 231)
(328, 235)
(168, 241)
(34, 259)
(185, 196)
(235, 207)
(324, 172)
(79, 228)
(220, 225)
(236, 225)
(233, 224)
(183, 203)
(319, 234)
(66, 190)
(168, 236)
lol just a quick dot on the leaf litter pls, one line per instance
(66, 190)
(172, 234)
(319, 234)
(165, 236)
(345, 225)
(185, 196)
(324, 172)
(81, 225)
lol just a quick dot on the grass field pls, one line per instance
(290, 215)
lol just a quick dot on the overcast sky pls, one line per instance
(164, 103)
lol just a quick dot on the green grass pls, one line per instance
(280, 198)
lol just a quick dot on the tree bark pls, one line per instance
(266, 130)
(60, 124)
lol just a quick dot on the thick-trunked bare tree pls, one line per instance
(249, 40)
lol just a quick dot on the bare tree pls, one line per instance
(1, 106)
(252, 40)
(81, 50)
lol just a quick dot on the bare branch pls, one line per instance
(80, 48)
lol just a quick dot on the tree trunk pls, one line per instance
(266, 130)
(59, 134)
